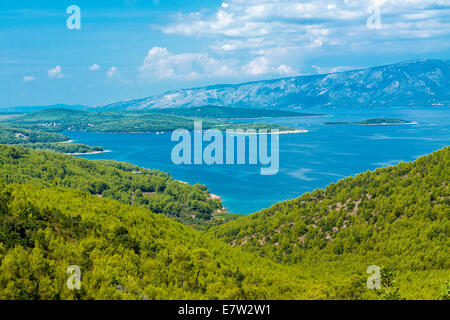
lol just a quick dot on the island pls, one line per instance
(375, 122)
(43, 129)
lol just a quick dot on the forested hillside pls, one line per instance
(316, 247)
(42, 129)
(123, 252)
(15, 135)
(217, 112)
(396, 216)
(124, 182)
(58, 120)
(39, 139)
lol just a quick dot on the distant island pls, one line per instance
(375, 122)
(59, 120)
(219, 112)
(42, 129)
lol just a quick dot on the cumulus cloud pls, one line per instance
(111, 72)
(262, 38)
(28, 78)
(94, 67)
(257, 66)
(239, 25)
(324, 70)
(160, 63)
(278, 37)
(264, 65)
(286, 70)
(55, 73)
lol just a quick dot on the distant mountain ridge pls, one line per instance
(26, 109)
(413, 83)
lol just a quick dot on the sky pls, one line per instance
(126, 49)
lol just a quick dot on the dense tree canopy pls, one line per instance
(396, 216)
(124, 182)
(57, 120)
(123, 252)
(58, 211)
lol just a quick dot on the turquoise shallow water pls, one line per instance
(308, 161)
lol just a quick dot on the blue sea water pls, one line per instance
(327, 153)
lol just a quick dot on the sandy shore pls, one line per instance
(211, 195)
(214, 196)
(86, 153)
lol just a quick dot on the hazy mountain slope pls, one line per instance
(413, 83)
(26, 109)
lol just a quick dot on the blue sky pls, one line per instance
(134, 48)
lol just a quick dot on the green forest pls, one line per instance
(58, 120)
(397, 217)
(57, 211)
(63, 147)
(219, 112)
(42, 129)
(375, 121)
(38, 139)
(123, 182)
(16, 135)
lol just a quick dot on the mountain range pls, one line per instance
(422, 82)
(40, 108)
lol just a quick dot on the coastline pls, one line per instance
(387, 124)
(371, 124)
(213, 197)
(86, 153)
(163, 132)
(281, 132)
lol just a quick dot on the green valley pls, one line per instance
(57, 211)
(396, 217)
(123, 182)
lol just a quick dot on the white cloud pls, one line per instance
(313, 24)
(160, 63)
(286, 70)
(94, 67)
(262, 38)
(325, 70)
(265, 65)
(257, 66)
(28, 78)
(111, 72)
(55, 73)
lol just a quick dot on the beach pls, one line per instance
(86, 153)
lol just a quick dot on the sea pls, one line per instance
(307, 161)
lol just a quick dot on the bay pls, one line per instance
(325, 154)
